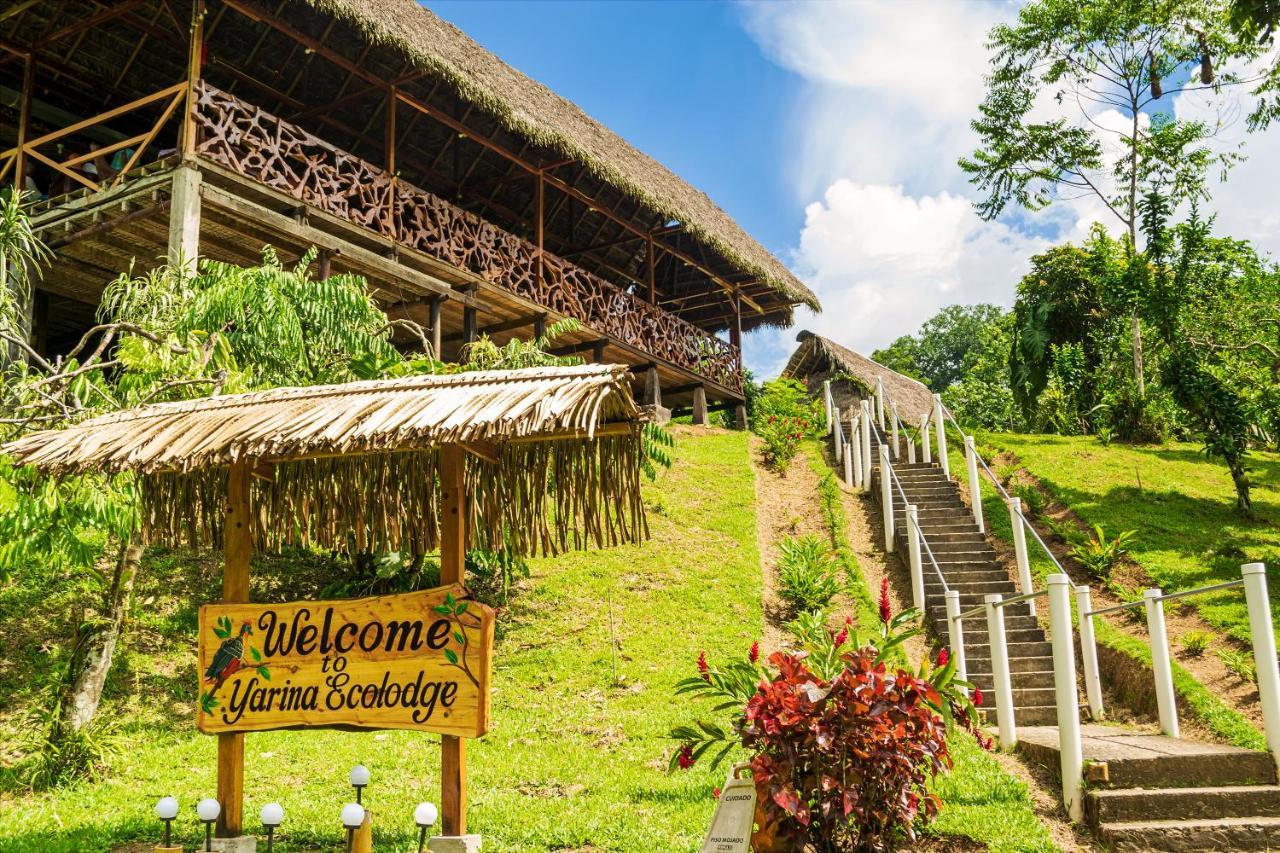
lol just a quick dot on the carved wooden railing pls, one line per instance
(258, 145)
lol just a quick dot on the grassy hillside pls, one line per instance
(576, 758)
(1181, 504)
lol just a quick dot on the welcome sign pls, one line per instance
(414, 661)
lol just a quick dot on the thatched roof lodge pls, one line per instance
(474, 199)
(853, 377)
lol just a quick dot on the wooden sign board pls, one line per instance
(414, 661)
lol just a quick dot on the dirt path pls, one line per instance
(786, 505)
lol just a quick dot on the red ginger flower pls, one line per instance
(842, 637)
(685, 760)
(753, 654)
(715, 793)
(886, 609)
(703, 668)
(977, 696)
(943, 657)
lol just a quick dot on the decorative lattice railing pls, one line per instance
(258, 145)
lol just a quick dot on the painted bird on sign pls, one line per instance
(226, 660)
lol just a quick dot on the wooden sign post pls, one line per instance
(415, 661)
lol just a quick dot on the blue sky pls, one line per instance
(830, 130)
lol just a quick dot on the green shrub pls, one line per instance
(1099, 555)
(1033, 501)
(1239, 663)
(1065, 530)
(1194, 643)
(784, 416)
(807, 573)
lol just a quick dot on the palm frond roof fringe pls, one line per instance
(355, 464)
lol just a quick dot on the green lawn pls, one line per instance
(1182, 506)
(575, 760)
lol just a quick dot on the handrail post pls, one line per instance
(1158, 636)
(1264, 651)
(837, 439)
(1089, 651)
(886, 496)
(924, 440)
(855, 438)
(955, 634)
(911, 448)
(975, 485)
(1000, 671)
(940, 430)
(880, 403)
(1070, 749)
(893, 417)
(848, 465)
(1020, 550)
(826, 401)
(913, 554)
(866, 445)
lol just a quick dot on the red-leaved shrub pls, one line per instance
(843, 741)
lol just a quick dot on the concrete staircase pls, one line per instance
(970, 566)
(1151, 792)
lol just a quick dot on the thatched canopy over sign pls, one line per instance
(357, 464)
(822, 358)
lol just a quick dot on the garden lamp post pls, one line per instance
(425, 817)
(208, 810)
(272, 816)
(359, 777)
(167, 810)
(352, 817)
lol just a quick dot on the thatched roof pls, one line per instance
(819, 356)
(530, 109)
(337, 462)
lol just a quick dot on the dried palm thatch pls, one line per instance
(818, 358)
(553, 460)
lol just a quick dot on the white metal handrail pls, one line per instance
(924, 540)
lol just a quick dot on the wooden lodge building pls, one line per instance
(473, 199)
(854, 377)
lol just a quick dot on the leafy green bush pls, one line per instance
(1033, 502)
(1194, 643)
(807, 573)
(58, 754)
(784, 416)
(1239, 663)
(1099, 555)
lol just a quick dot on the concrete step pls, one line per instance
(971, 550)
(1028, 663)
(1021, 649)
(962, 576)
(1030, 715)
(1004, 586)
(1021, 680)
(1109, 805)
(1141, 760)
(1232, 833)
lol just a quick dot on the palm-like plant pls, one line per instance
(21, 256)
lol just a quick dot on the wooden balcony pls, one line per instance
(246, 140)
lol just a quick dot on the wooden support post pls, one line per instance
(184, 218)
(468, 324)
(390, 132)
(597, 352)
(700, 405)
(539, 221)
(740, 415)
(453, 538)
(24, 119)
(195, 61)
(324, 264)
(237, 549)
(652, 388)
(433, 307)
(539, 326)
(649, 264)
(735, 330)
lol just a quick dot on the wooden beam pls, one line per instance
(24, 120)
(18, 9)
(494, 328)
(90, 22)
(237, 551)
(195, 58)
(453, 543)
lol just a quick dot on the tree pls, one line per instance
(983, 396)
(1199, 286)
(939, 353)
(1108, 65)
